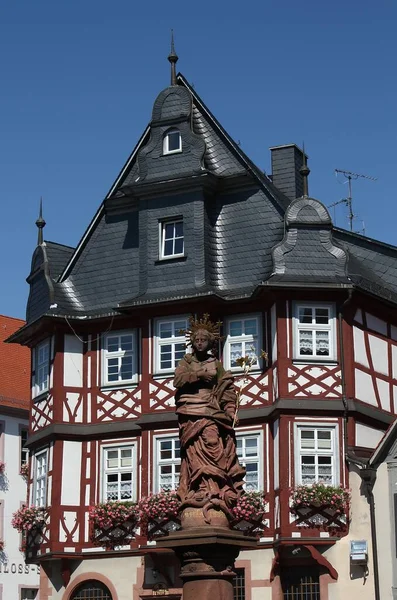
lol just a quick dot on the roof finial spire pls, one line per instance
(173, 58)
(40, 224)
(304, 171)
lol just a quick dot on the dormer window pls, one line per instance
(172, 142)
(171, 239)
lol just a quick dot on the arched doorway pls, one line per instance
(91, 590)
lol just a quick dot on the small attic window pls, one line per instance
(172, 142)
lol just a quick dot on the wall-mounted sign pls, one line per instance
(359, 551)
(14, 568)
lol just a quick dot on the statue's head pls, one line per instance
(203, 335)
(202, 340)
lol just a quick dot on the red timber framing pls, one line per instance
(138, 412)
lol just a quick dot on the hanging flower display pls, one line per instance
(29, 517)
(320, 494)
(113, 523)
(159, 513)
(321, 506)
(248, 513)
(2, 467)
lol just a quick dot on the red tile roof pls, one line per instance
(14, 367)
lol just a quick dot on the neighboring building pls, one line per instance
(17, 579)
(192, 226)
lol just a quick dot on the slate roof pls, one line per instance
(241, 232)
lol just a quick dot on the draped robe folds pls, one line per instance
(211, 475)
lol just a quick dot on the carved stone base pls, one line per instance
(194, 517)
(207, 556)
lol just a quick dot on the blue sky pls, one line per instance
(78, 81)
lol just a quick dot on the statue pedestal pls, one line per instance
(207, 554)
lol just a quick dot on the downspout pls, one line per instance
(342, 367)
(368, 476)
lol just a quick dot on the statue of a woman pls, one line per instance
(211, 476)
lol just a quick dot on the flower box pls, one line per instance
(2, 467)
(113, 523)
(159, 514)
(29, 518)
(320, 506)
(248, 514)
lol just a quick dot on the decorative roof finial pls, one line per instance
(304, 171)
(40, 224)
(173, 58)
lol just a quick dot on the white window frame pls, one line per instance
(331, 327)
(41, 386)
(172, 341)
(133, 469)
(162, 227)
(245, 340)
(174, 437)
(334, 453)
(24, 451)
(119, 354)
(244, 460)
(166, 138)
(42, 500)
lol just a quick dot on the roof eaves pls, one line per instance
(384, 445)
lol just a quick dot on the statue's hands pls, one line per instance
(231, 414)
(205, 375)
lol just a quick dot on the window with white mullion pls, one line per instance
(314, 331)
(243, 339)
(172, 239)
(118, 473)
(42, 367)
(24, 449)
(40, 479)
(119, 358)
(168, 463)
(247, 446)
(317, 455)
(171, 343)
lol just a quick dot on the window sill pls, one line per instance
(165, 375)
(42, 396)
(239, 372)
(176, 258)
(112, 387)
(315, 361)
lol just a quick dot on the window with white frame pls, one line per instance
(118, 473)
(168, 463)
(24, 449)
(172, 142)
(314, 332)
(119, 358)
(41, 367)
(170, 345)
(316, 459)
(40, 478)
(171, 239)
(243, 339)
(248, 447)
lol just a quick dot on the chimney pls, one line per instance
(286, 162)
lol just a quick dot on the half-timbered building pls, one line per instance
(192, 226)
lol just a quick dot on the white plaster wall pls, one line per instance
(13, 571)
(351, 583)
(71, 468)
(364, 388)
(383, 514)
(261, 565)
(379, 356)
(368, 437)
(360, 354)
(121, 571)
(376, 324)
(73, 362)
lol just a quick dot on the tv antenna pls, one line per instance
(349, 200)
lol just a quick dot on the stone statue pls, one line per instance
(211, 477)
